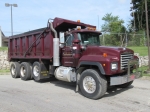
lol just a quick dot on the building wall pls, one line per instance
(4, 64)
(2, 37)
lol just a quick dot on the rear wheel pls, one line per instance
(36, 70)
(14, 69)
(92, 84)
(25, 71)
(125, 85)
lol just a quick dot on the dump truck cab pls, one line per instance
(75, 43)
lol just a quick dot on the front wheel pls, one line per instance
(92, 84)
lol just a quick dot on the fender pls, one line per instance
(92, 63)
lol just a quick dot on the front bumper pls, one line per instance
(118, 80)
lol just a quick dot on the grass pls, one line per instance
(4, 71)
(143, 51)
(3, 48)
(144, 68)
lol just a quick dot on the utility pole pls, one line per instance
(98, 22)
(11, 22)
(147, 31)
(11, 5)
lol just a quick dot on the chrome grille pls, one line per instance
(124, 60)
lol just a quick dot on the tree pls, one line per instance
(138, 23)
(113, 26)
(138, 13)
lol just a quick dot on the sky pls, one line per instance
(34, 14)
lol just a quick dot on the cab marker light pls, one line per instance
(105, 55)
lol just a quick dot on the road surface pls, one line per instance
(57, 96)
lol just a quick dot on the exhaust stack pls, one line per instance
(56, 61)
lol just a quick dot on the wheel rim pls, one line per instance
(36, 71)
(13, 69)
(23, 71)
(89, 84)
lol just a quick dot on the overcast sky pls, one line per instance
(33, 14)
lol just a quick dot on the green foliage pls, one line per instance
(136, 40)
(115, 33)
(113, 26)
(110, 40)
(138, 14)
(112, 23)
(144, 68)
(3, 48)
(143, 51)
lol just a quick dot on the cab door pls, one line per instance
(67, 52)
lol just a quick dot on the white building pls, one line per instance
(3, 39)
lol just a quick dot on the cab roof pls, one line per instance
(63, 24)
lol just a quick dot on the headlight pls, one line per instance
(114, 66)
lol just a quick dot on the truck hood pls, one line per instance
(111, 51)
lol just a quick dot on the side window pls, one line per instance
(69, 40)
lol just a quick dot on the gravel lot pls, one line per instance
(57, 96)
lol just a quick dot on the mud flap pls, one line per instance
(44, 71)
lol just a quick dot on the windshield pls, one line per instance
(89, 38)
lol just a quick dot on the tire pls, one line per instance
(36, 70)
(125, 85)
(15, 69)
(25, 71)
(91, 79)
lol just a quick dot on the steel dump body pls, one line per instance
(30, 46)
(41, 49)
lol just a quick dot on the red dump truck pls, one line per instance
(78, 57)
